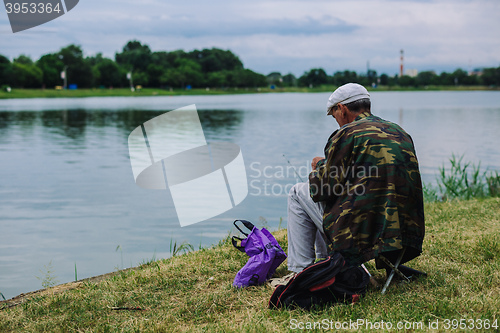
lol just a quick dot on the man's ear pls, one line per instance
(342, 110)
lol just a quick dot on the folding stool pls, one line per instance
(394, 269)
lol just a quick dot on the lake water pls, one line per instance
(68, 196)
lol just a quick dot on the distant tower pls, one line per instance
(401, 66)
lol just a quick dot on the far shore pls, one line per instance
(126, 92)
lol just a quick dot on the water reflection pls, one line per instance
(220, 124)
(217, 124)
(68, 194)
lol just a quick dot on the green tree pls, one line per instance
(248, 78)
(5, 71)
(160, 63)
(393, 80)
(51, 66)
(406, 81)
(134, 56)
(165, 59)
(190, 72)
(96, 74)
(78, 70)
(426, 78)
(215, 79)
(367, 79)
(371, 77)
(315, 77)
(172, 78)
(140, 78)
(26, 74)
(23, 59)
(446, 79)
(216, 60)
(93, 61)
(491, 76)
(174, 56)
(470, 80)
(154, 73)
(275, 78)
(230, 79)
(461, 77)
(341, 78)
(290, 80)
(109, 74)
(384, 79)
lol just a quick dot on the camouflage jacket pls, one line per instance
(371, 186)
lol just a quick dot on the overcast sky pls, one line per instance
(285, 36)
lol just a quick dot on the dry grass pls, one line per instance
(193, 292)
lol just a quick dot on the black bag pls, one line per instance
(326, 281)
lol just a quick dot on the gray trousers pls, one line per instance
(306, 239)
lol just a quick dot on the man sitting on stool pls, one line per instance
(364, 198)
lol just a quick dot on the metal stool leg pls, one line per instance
(394, 269)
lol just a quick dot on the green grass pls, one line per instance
(193, 293)
(125, 92)
(463, 181)
(119, 92)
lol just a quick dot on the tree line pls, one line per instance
(177, 69)
(318, 77)
(215, 68)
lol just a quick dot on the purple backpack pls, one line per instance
(265, 255)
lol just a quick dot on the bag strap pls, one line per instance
(235, 240)
(246, 223)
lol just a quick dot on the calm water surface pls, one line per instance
(67, 193)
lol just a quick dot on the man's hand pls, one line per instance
(315, 161)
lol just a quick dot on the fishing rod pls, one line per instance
(294, 169)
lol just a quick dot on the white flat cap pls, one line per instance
(347, 93)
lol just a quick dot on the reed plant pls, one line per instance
(463, 181)
(493, 181)
(184, 247)
(48, 277)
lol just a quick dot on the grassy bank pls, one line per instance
(125, 92)
(120, 92)
(193, 292)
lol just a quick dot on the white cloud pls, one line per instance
(283, 35)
